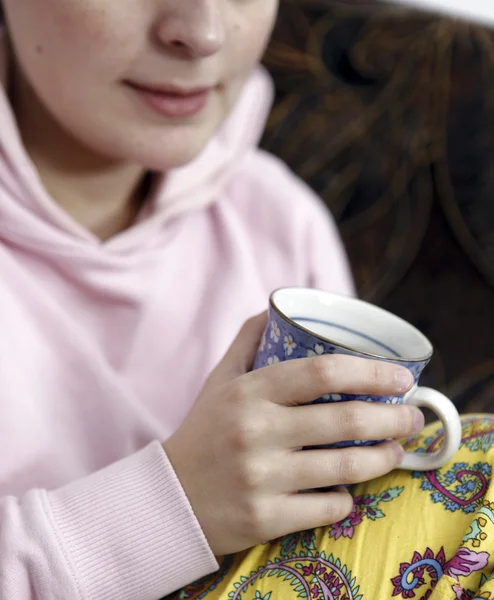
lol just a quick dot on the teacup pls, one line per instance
(307, 322)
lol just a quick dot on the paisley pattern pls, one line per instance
(398, 542)
(427, 569)
(478, 532)
(310, 575)
(313, 576)
(463, 485)
(365, 507)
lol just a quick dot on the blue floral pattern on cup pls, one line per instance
(282, 340)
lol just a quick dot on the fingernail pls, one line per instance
(418, 419)
(403, 379)
(400, 453)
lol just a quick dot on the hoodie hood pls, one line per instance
(30, 217)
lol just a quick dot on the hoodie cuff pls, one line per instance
(129, 530)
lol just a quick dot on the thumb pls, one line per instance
(240, 356)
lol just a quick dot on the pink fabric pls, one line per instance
(104, 347)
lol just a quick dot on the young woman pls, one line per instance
(139, 228)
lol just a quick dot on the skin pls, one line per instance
(88, 135)
(238, 453)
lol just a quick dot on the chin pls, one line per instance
(169, 157)
(156, 151)
(173, 146)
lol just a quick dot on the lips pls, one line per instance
(172, 101)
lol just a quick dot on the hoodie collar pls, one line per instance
(29, 216)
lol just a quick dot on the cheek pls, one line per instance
(251, 31)
(61, 38)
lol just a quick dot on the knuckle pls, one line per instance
(322, 371)
(249, 325)
(259, 320)
(237, 393)
(254, 519)
(249, 432)
(352, 421)
(253, 475)
(349, 468)
(376, 374)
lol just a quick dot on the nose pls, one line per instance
(193, 29)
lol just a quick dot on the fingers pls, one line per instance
(302, 380)
(308, 469)
(298, 512)
(318, 424)
(240, 356)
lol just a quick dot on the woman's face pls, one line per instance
(142, 81)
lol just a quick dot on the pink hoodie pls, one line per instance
(104, 347)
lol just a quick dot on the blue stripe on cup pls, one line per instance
(388, 349)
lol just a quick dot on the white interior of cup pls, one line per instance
(352, 323)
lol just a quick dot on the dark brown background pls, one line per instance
(389, 116)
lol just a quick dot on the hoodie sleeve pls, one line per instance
(126, 532)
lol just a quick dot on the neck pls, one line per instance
(104, 196)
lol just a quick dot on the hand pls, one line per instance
(238, 453)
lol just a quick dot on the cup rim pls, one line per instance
(328, 340)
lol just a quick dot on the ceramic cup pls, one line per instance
(307, 322)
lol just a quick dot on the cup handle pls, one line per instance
(450, 419)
